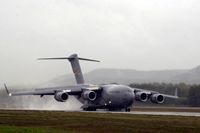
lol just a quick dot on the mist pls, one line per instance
(49, 103)
(35, 102)
(139, 34)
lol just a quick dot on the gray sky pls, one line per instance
(134, 34)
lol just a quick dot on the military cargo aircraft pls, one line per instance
(109, 97)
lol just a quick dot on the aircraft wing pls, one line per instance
(71, 90)
(149, 92)
(169, 96)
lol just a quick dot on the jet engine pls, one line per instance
(141, 96)
(61, 96)
(89, 95)
(157, 98)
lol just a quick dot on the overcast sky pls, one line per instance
(133, 34)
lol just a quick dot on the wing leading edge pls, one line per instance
(71, 90)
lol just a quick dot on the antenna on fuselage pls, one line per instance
(74, 60)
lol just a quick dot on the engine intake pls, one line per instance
(157, 98)
(61, 96)
(141, 96)
(90, 95)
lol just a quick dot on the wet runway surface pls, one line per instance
(194, 114)
(162, 113)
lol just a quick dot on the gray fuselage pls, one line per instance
(112, 97)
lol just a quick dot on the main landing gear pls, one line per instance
(90, 109)
(128, 109)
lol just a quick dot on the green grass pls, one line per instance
(81, 122)
(15, 129)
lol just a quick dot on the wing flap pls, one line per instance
(32, 93)
(148, 92)
(170, 96)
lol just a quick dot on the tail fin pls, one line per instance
(74, 60)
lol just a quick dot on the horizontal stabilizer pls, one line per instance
(88, 59)
(74, 60)
(58, 58)
(68, 58)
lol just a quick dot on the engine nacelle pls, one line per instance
(141, 96)
(61, 96)
(89, 95)
(157, 98)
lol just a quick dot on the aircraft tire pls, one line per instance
(90, 109)
(127, 109)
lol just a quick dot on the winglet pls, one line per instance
(71, 57)
(9, 94)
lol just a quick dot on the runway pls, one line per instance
(163, 113)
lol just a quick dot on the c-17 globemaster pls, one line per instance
(110, 97)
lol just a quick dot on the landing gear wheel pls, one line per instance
(90, 109)
(127, 109)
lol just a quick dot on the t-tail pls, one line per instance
(74, 60)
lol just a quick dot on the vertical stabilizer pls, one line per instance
(74, 60)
